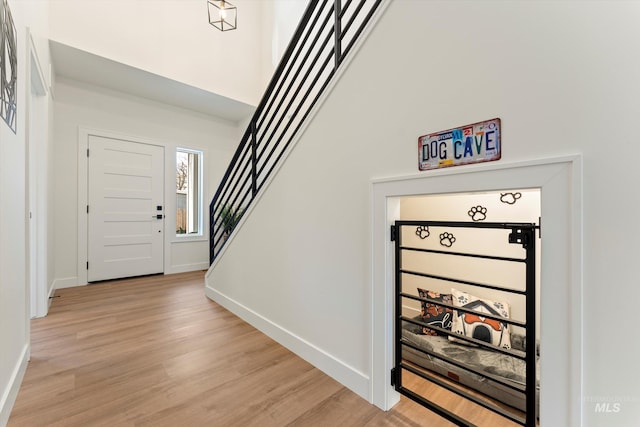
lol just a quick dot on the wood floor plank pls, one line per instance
(155, 351)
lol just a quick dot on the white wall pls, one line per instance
(79, 106)
(171, 38)
(563, 79)
(14, 295)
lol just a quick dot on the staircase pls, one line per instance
(325, 36)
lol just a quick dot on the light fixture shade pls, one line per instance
(222, 15)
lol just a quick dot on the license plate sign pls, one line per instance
(479, 142)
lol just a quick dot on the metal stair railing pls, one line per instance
(323, 38)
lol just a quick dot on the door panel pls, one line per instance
(126, 183)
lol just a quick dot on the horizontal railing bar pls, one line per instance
(434, 407)
(345, 7)
(297, 73)
(233, 172)
(356, 36)
(286, 56)
(230, 201)
(236, 180)
(463, 254)
(292, 62)
(295, 113)
(302, 121)
(462, 224)
(513, 386)
(238, 211)
(459, 392)
(232, 164)
(465, 282)
(233, 205)
(460, 337)
(303, 61)
(453, 307)
(301, 103)
(243, 183)
(345, 29)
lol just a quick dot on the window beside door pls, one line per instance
(188, 192)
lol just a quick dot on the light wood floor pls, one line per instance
(155, 351)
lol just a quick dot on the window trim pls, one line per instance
(200, 179)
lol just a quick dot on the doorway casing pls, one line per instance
(37, 191)
(560, 184)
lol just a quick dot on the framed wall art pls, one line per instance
(8, 67)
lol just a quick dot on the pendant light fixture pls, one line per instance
(222, 15)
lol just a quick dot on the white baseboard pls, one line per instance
(11, 391)
(66, 282)
(185, 268)
(346, 375)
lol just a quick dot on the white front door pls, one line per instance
(125, 209)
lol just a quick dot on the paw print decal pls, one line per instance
(447, 239)
(478, 213)
(423, 231)
(510, 198)
(463, 300)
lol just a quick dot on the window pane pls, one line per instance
(188, 194)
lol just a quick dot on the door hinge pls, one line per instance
(87, 265)
(521, 236)
(393, 233)
(87, 208)
(540, 227)
(87, 152)
(393, 377)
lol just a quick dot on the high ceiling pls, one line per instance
(76, 64)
